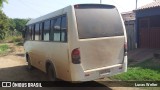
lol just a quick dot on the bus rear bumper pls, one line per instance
(103, 72)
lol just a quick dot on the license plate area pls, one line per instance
(105, 71)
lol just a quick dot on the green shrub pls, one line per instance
(3, 48)
(13, 39)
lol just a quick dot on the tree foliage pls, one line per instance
(16, 26)
(9, 26)
(12, 24)
(20, 24)
(1, 3)
(4, 25)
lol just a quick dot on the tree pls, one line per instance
(1, 3)
(12, 24)
(4, 25)
(20, 24)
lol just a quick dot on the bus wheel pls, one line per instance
(30, 67)
(51, 73)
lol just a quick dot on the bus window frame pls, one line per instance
(42, 32)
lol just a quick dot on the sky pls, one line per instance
(37, 8)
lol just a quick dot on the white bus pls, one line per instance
(80, 42)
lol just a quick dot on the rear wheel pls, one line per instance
(51, 73)
(30, 67)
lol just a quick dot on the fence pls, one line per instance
(130, 29)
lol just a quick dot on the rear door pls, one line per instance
(101, 35)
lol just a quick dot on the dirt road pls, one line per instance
(13, 67)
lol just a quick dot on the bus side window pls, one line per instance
(25, 33)
(41, 31)
(29, 33)
(52, 30)
(56, 31)
(33, 32)
(64, 29)
(46, 30)
(37, 31)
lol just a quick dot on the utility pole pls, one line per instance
(136, 4)
(135, 27)
(100, 1)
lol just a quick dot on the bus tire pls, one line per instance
(29, 66)
(51, 73)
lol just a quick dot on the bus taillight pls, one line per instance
(76, 56)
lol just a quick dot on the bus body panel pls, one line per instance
(76, 69)
(97, 54)
(102, 52)
(55, 52)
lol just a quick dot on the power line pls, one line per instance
(39, 6)
(30, 7)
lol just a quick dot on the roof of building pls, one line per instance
(128, 16)
(150, 5)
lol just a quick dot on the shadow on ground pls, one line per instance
(21, 73)
(19, 44)
(21, 55)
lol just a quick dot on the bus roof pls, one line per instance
(47, 16)
(60, 12)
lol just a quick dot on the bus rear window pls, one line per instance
(98, 22)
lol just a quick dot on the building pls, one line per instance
(148, 25)
(129, 20)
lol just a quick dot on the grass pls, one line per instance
(17, 40)
(3, 49)
(149, 70)
(13, 39)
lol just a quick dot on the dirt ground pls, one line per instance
(13, 67)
